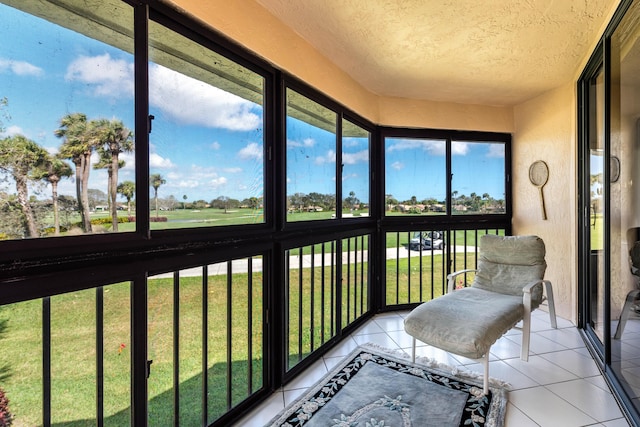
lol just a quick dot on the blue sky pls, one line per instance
(205, 142)
(416, 167)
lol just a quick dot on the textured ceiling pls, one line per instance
(491, 52)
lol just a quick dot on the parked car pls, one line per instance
(427, 240)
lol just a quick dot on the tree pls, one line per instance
(52, 171)
(79, 140)
(221, 202)
(352, 200)
(156, 180)
(253, 202)
(96, 198)
(170, 203)
(20, 157)
(184, 197)
(115, 138)
(128, 190)
(200, 204)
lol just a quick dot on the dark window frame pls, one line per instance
(448, 136)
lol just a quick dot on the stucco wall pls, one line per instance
(545, 130)
(444, 115)
(249, 24)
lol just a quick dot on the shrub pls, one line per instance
(6, 419)
(158, 219)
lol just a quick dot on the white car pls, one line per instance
(427, 240)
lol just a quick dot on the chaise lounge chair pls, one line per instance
(509, 284)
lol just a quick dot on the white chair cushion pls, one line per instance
(466, 322)
(508, 264)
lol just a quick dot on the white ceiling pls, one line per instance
(491, 52)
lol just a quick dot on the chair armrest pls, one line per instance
(451, 278)
(526, 291)
(526, 294)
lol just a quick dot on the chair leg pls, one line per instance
(485, 383)
(526, 333)
(413, 351)
(551, 303)
(626, 310)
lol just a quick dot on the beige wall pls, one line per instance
(444, 115)
(250, 25)
(545, 129)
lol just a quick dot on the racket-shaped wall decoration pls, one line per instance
(539, 175)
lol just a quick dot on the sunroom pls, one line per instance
(200, 200)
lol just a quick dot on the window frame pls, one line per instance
(53, 253)
(448, 136)
(342, 113)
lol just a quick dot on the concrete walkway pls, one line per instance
(242, 265)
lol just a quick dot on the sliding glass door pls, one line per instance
(610, 202)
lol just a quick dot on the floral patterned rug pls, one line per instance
(375, 387)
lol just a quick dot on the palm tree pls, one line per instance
(52, 171)
(128, 190)
(21, 157)
(115, 138)
(156, 180)
(104, 162)
(78, 144)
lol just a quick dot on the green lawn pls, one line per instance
(73, 338)
(188, 218)
(73, 353)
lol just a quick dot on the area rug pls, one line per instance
(376, 387)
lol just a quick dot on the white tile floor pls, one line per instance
(560, 385)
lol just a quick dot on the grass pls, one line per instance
(190, 218)
(73, 338)
(73, 349)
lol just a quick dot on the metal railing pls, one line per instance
(68, 358)
(326, 285)
(418, 261)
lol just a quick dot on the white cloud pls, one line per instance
(181, 98)
(95, 158)
(215, 145)
(157, 161)
(232, 170)
(435, 148)
(496, 150)
(353, 158)
(108, 77)
(52, 150)
(218, 182)
(397, 165)
(349, 176)
(192, 102)
(129, 161)
(252, 151)
(351, 142)
(307, 142)
(13, 130)
(189, 183)
(198, 177)
(20, 68)
(330, 157)
(459, 148)
(200, 172)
